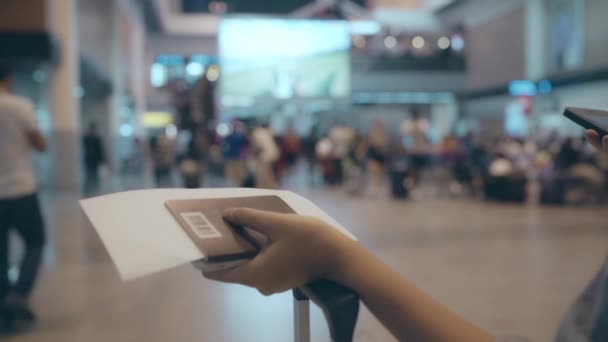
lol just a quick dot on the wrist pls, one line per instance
(347, 255)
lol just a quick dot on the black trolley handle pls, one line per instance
(339, 304)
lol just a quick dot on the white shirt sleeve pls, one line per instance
(28, 115)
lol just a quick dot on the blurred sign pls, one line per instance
(530, 88)
(523, 88)
(156, 119)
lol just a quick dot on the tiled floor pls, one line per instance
(511, 269)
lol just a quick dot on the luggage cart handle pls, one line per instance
(339, 304)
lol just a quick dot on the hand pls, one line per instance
(596, 141)
(301, 249)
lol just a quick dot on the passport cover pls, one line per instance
(218, 240)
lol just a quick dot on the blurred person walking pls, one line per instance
(291, 147)
(94, 157)
(290, 152)
(19, 207)
(161, 150)
(233, 148)
(342, 137)
(191, 158)
(356, 171)
(415, 132)
(569, 155)
(377, 157)
(309, 151)
(266, 152)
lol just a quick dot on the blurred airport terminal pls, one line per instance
(432, 129)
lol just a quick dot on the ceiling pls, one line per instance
(414, 5)
(270, 6)
(288, 6)
(401, 15)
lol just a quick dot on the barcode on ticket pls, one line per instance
(199, 225)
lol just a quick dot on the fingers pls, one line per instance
(258, 273)
(237, 275)
(594, 138)
(265, 222)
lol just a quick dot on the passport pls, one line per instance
(217, 239)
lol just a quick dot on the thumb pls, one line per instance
(239, 274)
(246, 273)
(594, 138)
(265, 222)
(605, 143)
(260, 273)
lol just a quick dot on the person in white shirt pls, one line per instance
(415, 139)
(19, 208)
(342, 137)
(266, 154)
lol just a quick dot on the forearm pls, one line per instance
(406, 311)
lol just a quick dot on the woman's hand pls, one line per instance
(596, 141)
(301, 249)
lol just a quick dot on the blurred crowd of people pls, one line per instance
(244, 154)
(549, 168)
(364, 161)
(541, 168)
(545, 168)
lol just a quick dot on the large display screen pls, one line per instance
(283, 59)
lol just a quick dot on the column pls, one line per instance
(536, 39)
(117, 74)
(64, 105)
(138, 66)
